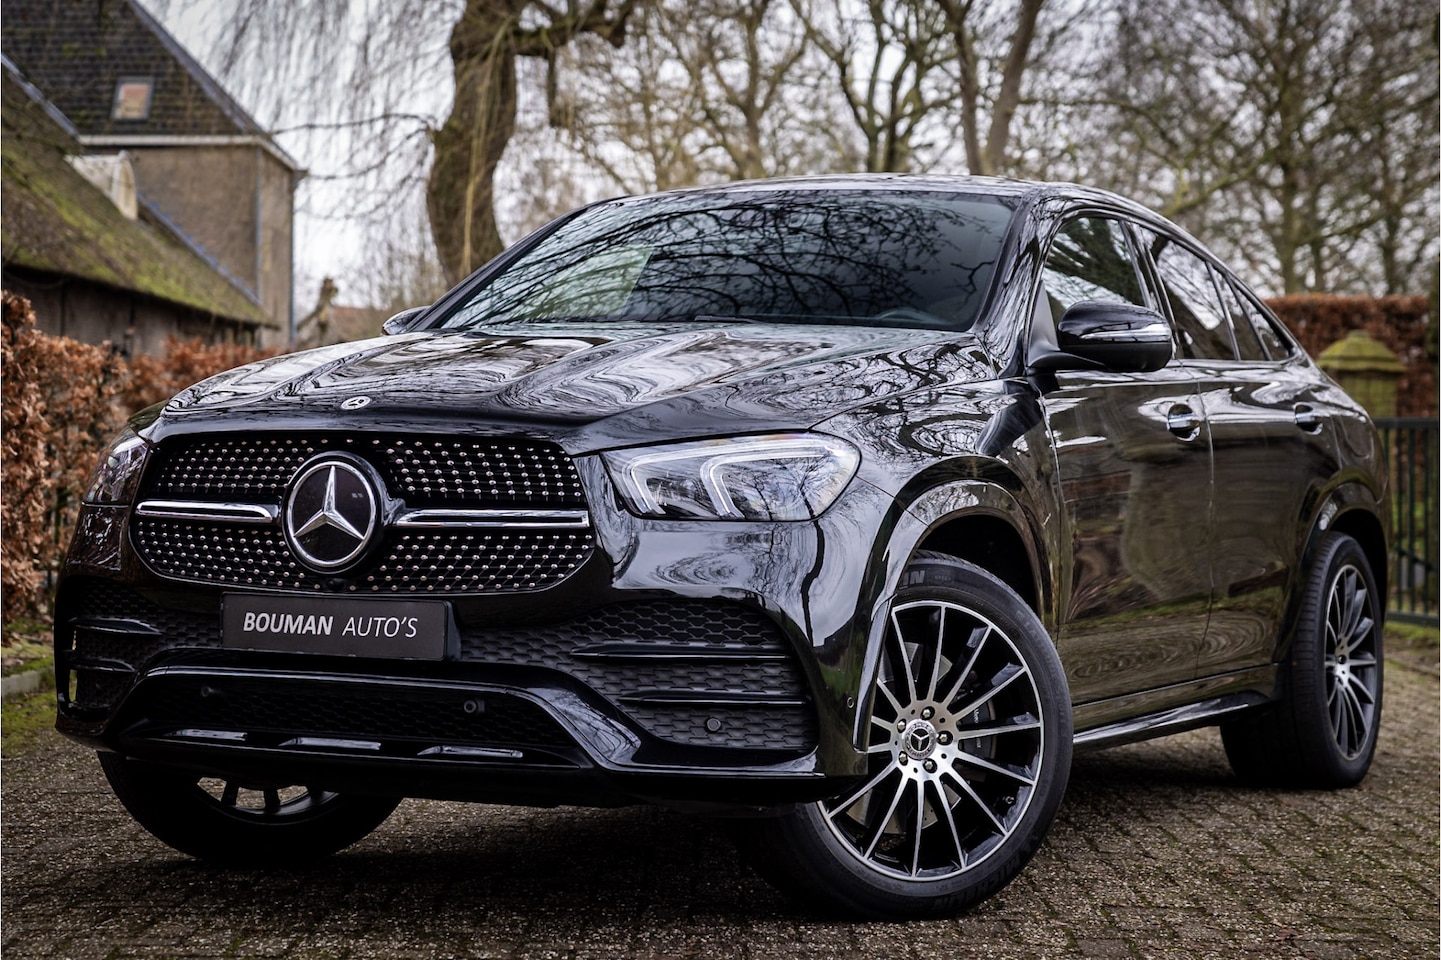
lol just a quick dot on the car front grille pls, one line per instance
(420, 470)
(426, 473)
(439, 561)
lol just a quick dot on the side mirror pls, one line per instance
(1121, 337)
(403, 321)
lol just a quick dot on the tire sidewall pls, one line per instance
(1308, 675)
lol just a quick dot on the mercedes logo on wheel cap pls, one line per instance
(332, 512)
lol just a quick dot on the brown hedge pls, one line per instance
(56, 412)
(1401, 323)
(60, 402)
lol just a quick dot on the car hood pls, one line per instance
(631, 379)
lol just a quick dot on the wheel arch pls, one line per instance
(977, 521)
(1350, 509)
(1367, 530)
(991, 541)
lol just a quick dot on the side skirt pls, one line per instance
(1173, 709)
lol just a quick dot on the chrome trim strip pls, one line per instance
(200, 510)
(331, 743)
(199, 733)
(115, 625)
(433, 518)
(546, 519)
(491, 753)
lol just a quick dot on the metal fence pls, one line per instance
(1410, 445)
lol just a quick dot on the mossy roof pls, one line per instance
(76, 51)
(56, 220)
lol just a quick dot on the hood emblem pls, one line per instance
(354, 403)
(332, 513)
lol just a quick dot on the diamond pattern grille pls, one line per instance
(424, 472)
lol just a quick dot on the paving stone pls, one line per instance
(1157, 853)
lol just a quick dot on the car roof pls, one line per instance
(913, 182)
(1023, 192)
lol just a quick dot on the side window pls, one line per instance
(1276, 344)
(1090, 260)
(1187, 286)
(1248, 345)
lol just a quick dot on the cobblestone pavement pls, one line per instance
(1157, 853)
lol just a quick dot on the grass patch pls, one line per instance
(22, 719)
(24, 645)
(1411, 636)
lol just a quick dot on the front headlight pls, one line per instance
(118, 473)
(776, 477)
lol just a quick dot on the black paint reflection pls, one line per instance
(918, 260)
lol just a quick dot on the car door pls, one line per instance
(1271, 450)
(1134, 471)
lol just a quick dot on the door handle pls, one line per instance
(1183, 422)
(1307, 418)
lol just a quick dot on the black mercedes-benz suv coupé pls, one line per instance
(846, 505)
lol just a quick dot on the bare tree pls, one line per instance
(705, 91)
(744, 51)
(974, 24)
(359, 64)
(484, 46)
(1303, 132)
(887, 58)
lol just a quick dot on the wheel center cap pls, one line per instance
(919, 739)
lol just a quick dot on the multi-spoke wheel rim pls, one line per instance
(956, 745)
(262, 804)
(1351, 668)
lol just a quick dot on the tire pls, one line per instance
(961, 653)
(237, 825)
(1321, 732)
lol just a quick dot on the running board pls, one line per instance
(1176, 720)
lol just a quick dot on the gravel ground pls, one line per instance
(1157, 853)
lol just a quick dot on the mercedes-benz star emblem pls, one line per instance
(331, 513)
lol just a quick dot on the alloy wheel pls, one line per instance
(1350, 648)
(263, 803)
(956, 746)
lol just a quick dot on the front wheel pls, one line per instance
(970, 751)
(241, 824)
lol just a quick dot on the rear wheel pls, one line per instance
(1322, 732)
(970, 750)
(244, 824)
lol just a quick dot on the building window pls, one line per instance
(132, 98)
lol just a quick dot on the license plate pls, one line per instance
(338, 626)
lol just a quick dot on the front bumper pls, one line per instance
(143, 672)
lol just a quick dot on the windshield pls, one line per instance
(885, 258)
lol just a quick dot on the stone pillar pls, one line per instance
(1365, 369)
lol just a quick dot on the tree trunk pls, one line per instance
(460, 193)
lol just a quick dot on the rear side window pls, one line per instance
(1248, 344)
(1187, 285)
(1090, 260)
(1276, 344)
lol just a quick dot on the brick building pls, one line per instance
(156, 133)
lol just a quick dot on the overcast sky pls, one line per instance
(327, 243)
